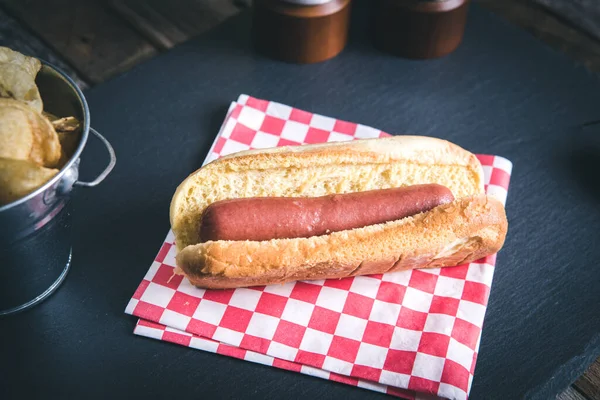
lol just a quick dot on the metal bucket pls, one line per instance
(35, 231)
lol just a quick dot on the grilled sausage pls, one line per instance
(265, 218)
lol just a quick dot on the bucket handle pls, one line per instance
(109, 167)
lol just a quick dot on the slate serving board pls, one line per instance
(502, 92)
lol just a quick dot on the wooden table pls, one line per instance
(94, 41)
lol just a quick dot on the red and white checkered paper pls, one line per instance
(413, 334)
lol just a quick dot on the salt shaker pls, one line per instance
(419, 29)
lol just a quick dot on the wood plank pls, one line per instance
(582, 13)
(16, 37)
(94, 40)
(572, 41)
(589, 383)
(571, 394)
(167, 24)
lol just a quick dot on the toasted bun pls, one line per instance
(317, 170)
(452, 234)
(471, 227)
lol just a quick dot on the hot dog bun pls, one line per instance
(469, 228)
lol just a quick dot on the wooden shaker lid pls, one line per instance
(300, 33)
(419, 29)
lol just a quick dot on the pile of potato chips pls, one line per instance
(34, 145)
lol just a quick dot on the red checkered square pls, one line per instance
(160, 257)
(219, 296)
(183, 303)
(434, 344)
(235, 113)
(243, 134)
(423, 385)
(310, 358)
(500, 178)
(491, 259)
(423, 281)
(485, 159)
(343, 284)
(235, 319)
(177, 338)
(378, 334)
(476, 292)
(344, 127)
(366, 372)
(455, 374)
(285, 142)
(343, 348)
(271, 304)
(343, 379)
(150, 324)
(218, 147)
(254, 343)
(391, 292)
(301, 116)
(201, 328)
(472, 370)
(305, 292)
(324, 320)
(257, 103)
(315, 135)
(165, 276)
(231, 351)
(400, 361)
(289, 334)
(410, 319)
(444, 305)
(459, 272)
(466, 333)
(358, 305)
(272, 125)
(283, 364)
(148, 311)
(141, 289)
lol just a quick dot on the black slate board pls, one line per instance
(502, 92)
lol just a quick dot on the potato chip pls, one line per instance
(31, 65)
(66, 124)
(27, 135)
(18, 178)
(17, 83)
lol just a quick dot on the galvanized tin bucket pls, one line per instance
(35, 231)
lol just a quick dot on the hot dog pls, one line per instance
(266, 218)
(333, 210)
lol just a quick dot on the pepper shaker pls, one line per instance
(300, 31)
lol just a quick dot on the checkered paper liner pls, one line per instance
(413, 334)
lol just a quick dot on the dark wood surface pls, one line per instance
(18, 37)
(581, 13)
(168, 23)
(97, 43)
(554, 30)
(96, 40)
(571, 394)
